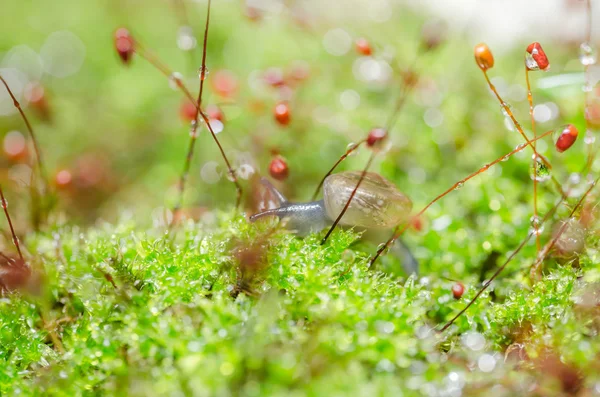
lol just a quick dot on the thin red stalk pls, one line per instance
(193, 132)
(10, 224)
(540, 258)
(392, 120)
(588, 84)
(362, 177)
(398, 232)
(140, 50)
(36, 147)
(535, 182)
(514, 120)
(349, 151)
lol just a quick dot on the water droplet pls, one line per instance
(473, 340)
(202, 73)
(216, 125)
(351, 146)
(536, 225)
(175, 80)
(245, 171)
(520, 147)
(231, 175)
(539, 170)
(383, 247)
(587, 54)
(459, 185)
(576, 185)
(185, 38)
(505, 158)
(506, 109)
(486, 363)
(589, 138)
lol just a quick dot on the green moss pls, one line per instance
(313, 319)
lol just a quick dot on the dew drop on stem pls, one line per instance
(175, 80)
(351, 146)
(202, 73)
(539, 170)
(536, 225)
(587, 54)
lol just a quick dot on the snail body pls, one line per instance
(377, 204)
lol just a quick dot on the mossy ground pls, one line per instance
(229, 308)
(310, 319)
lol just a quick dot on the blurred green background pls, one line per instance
(117, 128)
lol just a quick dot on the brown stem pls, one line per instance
(36, 147)
(349, 151)
(153, 60)
(398, 232)
(535, 182)
(591, 154)
(362, 176)
(194, 130)
(514, 120)
(392, 120)
(540, 258)
(10, 224)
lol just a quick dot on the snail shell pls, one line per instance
(376, 204)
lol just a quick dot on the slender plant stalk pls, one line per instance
(10, 224)
(36, 147)
(349, 151)
(390, 124)
(510, 114)
(154, 61)
(591, 154)
(400, 230)
(362, 177)
(543, 254)
(534, 161)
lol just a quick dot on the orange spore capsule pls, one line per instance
(124, 45)
(458, 290)
(567, 138)
(483, 57)
(363, 47)
(278, 168)
(282, 113)
(535, 57)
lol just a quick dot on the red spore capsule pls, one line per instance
(376, 138)
(215, 113)
(535, 57)
(279, 169)
(124, 44)
(567, 138)
(458, 290)
(282, 113)
(483, 57)
(63, 178)
(363, 47)
(225, 83)
(187, 111)
(274, 77)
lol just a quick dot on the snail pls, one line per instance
(377, 205)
